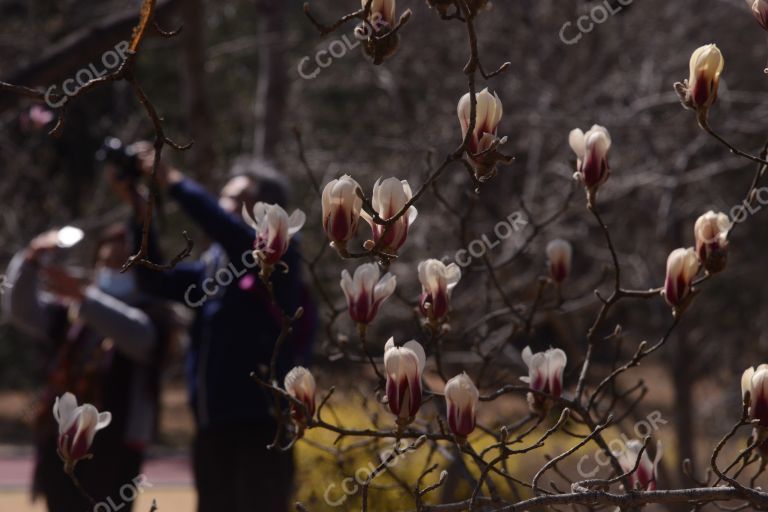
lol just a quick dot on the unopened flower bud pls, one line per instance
(404, 367)
(700, 90)
(711, 232)
(461, 398)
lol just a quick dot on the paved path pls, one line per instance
(170, 477)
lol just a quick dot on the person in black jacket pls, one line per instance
(234, 332)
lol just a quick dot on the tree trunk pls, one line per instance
(201, 157)
(272, 80)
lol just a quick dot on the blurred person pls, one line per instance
(106, 344)
(233, 334)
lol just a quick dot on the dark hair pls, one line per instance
(112, 234)
(267, 184)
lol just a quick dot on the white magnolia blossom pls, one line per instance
(404, 367)
(461, 398)
(488, 116)
(77, 428)
(755, 381)
(711, 232)
(366, 290)
(383, 10)
(706, 65)
(389, 197)
(591, 149)
(274, 229)
(759, 9)
(300, 384)
(644, 478)
(682, 267)
(437, 281)
(341, 209)
(545, 374)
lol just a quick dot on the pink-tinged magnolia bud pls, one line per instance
(644, 478)
(341, 210)
(545, 374)
(383, 10)
(365, 291)
(488, 115)
(380, 23)
(711, 232)
(559, 254)
(755, 381)
(404, 367)
(591, 150)
(389, 197)
(437, 281)
(700, 90)
(461, 398)
(760, 11)
(77, 428)
(483, 140)
(274, 229)
(300, 384)
(682, 267)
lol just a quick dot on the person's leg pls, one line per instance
(214, 459)
(265, 481)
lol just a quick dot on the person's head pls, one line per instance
(251, 181)
(111, 252)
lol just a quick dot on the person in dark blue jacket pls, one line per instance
(234, 331)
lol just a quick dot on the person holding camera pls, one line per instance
(104, 342)
(234, 331)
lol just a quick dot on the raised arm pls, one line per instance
(23, 304)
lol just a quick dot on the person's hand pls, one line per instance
(42, 244)
(62, 284)
(166, 175)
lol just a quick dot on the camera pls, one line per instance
(123, 157)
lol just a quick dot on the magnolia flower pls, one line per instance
(545, 374)
(700, 90)
(382, 11)
(437, 281)
(461, 397)
(404, 367)
(341, 210)
(300, 384)
(77, 428)
(711, 232)
(389, 197)
(591, 150)
(365, 291)
(483, 140)
(644, 478)
(382, 23)
(559, 254)
(760, 11)
(682, 267)
(274, 230)
(755, 381)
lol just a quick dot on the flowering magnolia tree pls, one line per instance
(565, 393)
